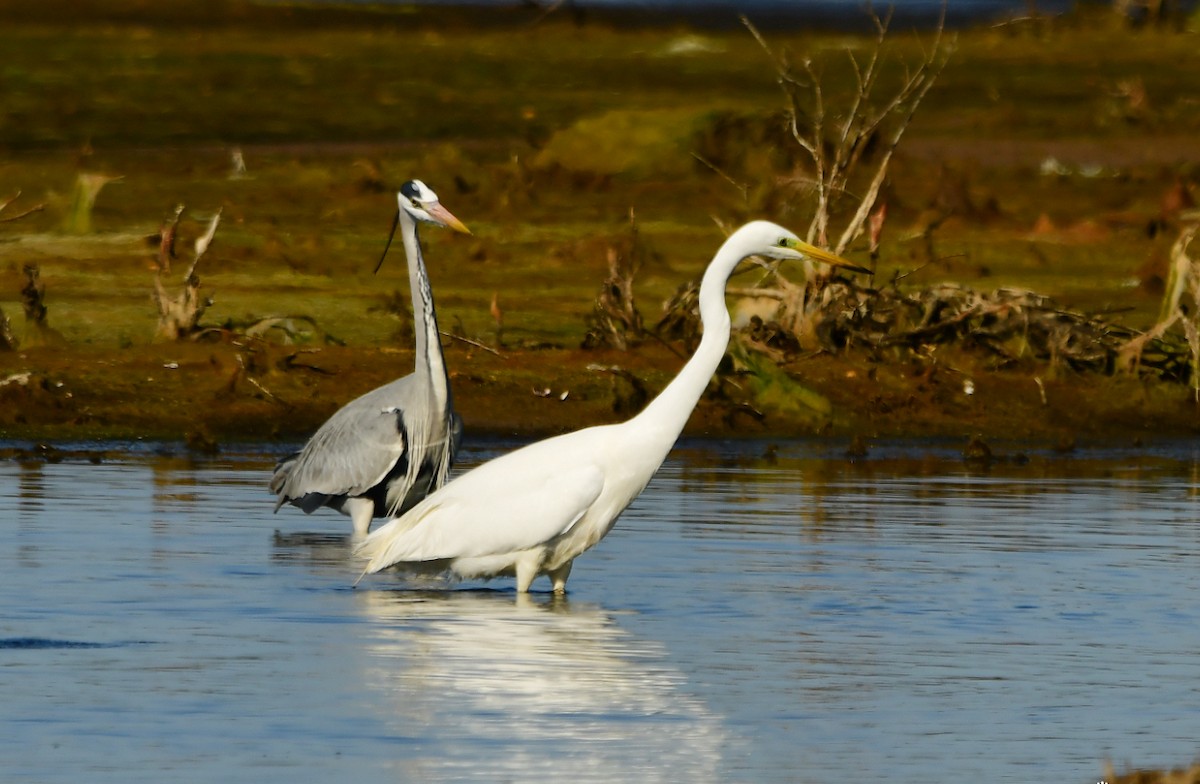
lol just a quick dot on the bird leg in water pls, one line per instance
(558, 577)
(361, 510)
(527, 569)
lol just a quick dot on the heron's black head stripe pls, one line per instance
(409, 190)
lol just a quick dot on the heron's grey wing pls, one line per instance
(352, 452)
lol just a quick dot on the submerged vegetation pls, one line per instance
(1054, 158)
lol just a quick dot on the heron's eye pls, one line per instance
(415, 202)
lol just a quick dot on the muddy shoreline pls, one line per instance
(208, 394)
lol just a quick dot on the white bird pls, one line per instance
(534, 510)
(384, 451)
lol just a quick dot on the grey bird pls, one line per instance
(383, 452)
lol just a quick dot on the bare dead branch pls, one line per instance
(835, 161)
(8, 340)
(203, 241)
(38, 331)
(179, 315)
(470, 342)
(4, 205)
(166, 240)
(741, 187)
(616, 320)
(1129, 356)
(19, 215)
(779, 64)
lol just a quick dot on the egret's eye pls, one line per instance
(783, 243)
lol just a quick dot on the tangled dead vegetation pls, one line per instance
(1012, 327)
(783, 319)
(615, 320)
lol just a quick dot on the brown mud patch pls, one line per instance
(208, 394)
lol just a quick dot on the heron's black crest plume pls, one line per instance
(392, 233)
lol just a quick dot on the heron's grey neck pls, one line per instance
(668, 413)
(429, 361)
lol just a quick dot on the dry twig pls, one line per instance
(8, 341)
(616, 321)
(4, 205)
(38, 331)
(837, 136)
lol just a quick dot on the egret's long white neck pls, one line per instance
(667, 414)
(429, 361)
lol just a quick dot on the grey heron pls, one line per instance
(532, 511)
(384, 451)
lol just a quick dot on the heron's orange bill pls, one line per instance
(443, 215)
(824, 256)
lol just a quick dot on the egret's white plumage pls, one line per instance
(386, 450)
(532, 511)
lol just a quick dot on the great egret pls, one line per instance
(533, 510)
(383, 452)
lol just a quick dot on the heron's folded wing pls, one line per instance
(350, 454)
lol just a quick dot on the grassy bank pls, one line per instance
(1060, 140)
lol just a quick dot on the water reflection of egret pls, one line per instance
(519, 691)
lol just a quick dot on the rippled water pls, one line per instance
(759, 615)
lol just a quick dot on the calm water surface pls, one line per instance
(754, 617)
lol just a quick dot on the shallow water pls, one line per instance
(758, 615)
